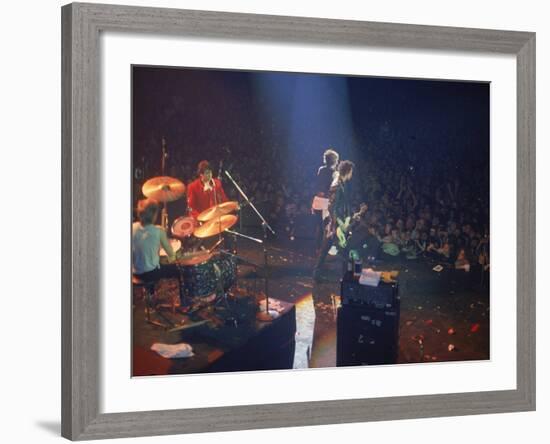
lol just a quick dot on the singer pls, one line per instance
(205, 191)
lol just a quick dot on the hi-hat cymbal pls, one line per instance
(218, 210)
(194, 258)
(163, 188)
(215, 226)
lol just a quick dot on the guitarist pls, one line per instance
(339, 210)
(325, 176)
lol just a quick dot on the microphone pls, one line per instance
(220, 170)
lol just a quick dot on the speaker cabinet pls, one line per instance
(367, 335)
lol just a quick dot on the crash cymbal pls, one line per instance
(218, 210)
(215, 226)
(163, 188)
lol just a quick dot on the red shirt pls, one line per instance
(199, 200)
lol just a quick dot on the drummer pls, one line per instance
(205, 191)
(147, 239)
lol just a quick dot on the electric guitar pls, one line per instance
(343, 231)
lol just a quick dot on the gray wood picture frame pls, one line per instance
(81, 230)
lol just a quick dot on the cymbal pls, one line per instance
(163, 188)
(218, 210)
(194, 258)
(215, 226)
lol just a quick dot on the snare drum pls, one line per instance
(204, 279)
(183, 227)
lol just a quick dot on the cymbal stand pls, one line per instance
(164, 216)
(265, 315)
(164, 212)
(216, 245)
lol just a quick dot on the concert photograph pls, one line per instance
(292, 221)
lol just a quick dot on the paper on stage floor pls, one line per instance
(171, 351)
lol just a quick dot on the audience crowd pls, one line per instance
(423, 202)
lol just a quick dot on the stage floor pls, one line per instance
(443, 317)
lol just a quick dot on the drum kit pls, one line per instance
(204, 272)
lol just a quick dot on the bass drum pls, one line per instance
(206, 278)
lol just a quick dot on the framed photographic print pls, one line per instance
(287, 220)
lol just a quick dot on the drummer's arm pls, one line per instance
(167, 247)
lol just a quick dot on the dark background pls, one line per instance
(270, 130)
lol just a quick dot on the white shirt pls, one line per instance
(145, 247)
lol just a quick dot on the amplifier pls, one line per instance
(367, 336)
(385, 295)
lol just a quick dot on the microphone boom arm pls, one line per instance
(264, 222)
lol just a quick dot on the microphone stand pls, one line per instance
(264, 222)
(220, 236)
(235, 233)
(265, 315)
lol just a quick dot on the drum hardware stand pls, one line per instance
(169, 324)
(221, 240)
(148, 315)
(164, 212)
(221, 297)
(216, 245)
(240, 258)
(184, 292)
(220, 236)
(265, 315)
(164, 216)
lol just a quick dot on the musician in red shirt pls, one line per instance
(205, 191)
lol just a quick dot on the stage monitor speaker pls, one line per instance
(366, 335)
(385, 295)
